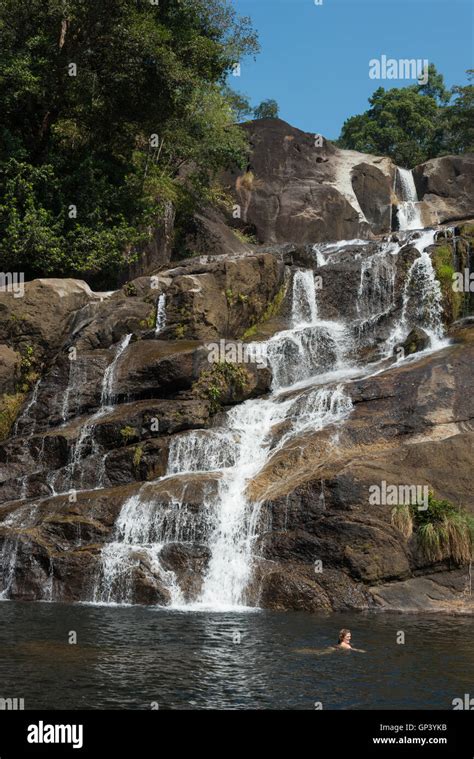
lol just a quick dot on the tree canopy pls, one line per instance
(413, 124)
(268, 109)
(102, 106)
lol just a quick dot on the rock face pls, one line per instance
(139, 463)
(411, 424)
(300, 187)
(9, 369)
(446, 186)
(42, 317)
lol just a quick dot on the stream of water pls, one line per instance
(311, 362)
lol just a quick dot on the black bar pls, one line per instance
(323, 733)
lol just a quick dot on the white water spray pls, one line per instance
(409, 216)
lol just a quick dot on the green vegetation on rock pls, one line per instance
(127, 433)
(442, 531)
(10, 406)
(268, 109)
(223, 381)
(137, 456)
(270, 311)
(442, 258)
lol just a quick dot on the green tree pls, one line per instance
(414, 124)
(435, 87)
(239, 103)
(268, 109)
(401, 123)
(102, 106)
(459, 118)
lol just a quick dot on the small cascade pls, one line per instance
(77, 374)
(422, 299)
(25, 421)
(140, 534)
(202, 451)
(304, 305)
(311, 345)
(409, 216)
(107, 396)
(106, 405)
(376, 293)
(23, 518)
(160, 314)
(8, 557)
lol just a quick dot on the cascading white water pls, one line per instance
(409, 216)
(106, 405)
(228, 521)
(24, 418)
(311, 345)
(202, 451)
(312, 352)
(141, 531)
(376, 293)
(107, 395)
(237, 453)
(160, 314)
(422, 298)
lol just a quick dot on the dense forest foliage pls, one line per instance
(103, 104)
(413, 124)
(112, 110)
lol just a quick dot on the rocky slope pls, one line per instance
(121, 441)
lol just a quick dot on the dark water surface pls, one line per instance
(130, 657)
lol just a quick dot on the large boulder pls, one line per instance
(299, 187)
(42, 317)
(223, 297)
(372, 188)
(446, 187)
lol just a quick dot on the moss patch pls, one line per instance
(245, 237)
(10, 406)
(179, 331)
(137, 456)
(271, 310)
(150, 321)
(223, 380)
(127, 433)
(443, 265)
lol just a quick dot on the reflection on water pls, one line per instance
(131, 658)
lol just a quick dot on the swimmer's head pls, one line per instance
(344, 636)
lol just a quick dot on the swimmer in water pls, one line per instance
(344, 643)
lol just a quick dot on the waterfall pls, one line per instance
(309, 361)
(228, 520)
(107, 395)
(409, 216)
(106, 405)
(376, 293)
(311, 345)
(8, 558)
(304, 310)
(24, 417)
(422, 299)
(160, 314)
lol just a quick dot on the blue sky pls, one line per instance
(315, 58)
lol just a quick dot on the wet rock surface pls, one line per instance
(132, 464)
